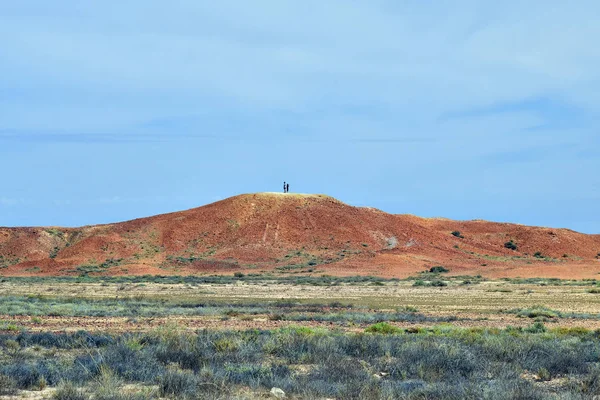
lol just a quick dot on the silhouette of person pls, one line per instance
(284, 187)
(287, 188)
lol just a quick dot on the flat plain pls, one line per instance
(221, 337)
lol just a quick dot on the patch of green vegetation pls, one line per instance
(54, 252)
(511, 245)
(6, 262)
(56, 233)
(457, 234)
(550, 281)
(139, 306)
(383, 328)
(544, 313)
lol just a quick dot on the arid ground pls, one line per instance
(300, 292)
(67, 316)
(490, 304)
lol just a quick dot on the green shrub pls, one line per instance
(68, 391)
(511, 245)
(7, 386)
(538, 254)
(543, 374)
(537, 327)
(383, 328)
(457, 234)
(537, 311)
(177, 383)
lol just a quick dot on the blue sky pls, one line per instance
(462, 109)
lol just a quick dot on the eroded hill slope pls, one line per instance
(292, 233)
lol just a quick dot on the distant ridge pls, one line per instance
(296, 234)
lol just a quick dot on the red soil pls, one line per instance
(296, 234)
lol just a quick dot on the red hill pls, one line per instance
(292, 233)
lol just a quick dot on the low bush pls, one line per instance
(536, 311)
(511, 245)
(537, 327)
(444, 361)
(383, 328)
(438, 270)
(68, 391)
(177, 383)
(7, 385)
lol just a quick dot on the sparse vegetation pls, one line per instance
(390, 362)
(457, 234)
(54, 252)
(131, 307)
(545, 313)
(373, 348)
(511, 245)
(438, 270)
(310, 280)
(68, 391)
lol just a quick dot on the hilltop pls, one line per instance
(297, 233)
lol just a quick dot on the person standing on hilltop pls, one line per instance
(284, 187)
(287, 188)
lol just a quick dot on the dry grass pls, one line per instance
(482, 304)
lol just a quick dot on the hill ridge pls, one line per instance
(296, 233)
